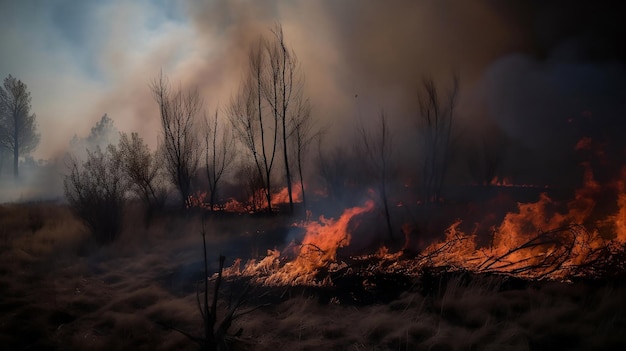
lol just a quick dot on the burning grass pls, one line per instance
(61, 292)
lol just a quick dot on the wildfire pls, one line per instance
(254, 202)
(541, 240)
(536, 241)
(282, 197)
(545, 239)
(318, 249)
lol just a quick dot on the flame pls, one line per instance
(545, 239)
(254, 202)
(540, 240)
(282, 196)
(537, 241)
(318, 249)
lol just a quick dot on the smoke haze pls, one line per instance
(538, 70)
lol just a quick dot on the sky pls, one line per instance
(528, 67)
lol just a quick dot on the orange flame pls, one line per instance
(199, 200)
(544, 239)
(318, 249)
(282, 197)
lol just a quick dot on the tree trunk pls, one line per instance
(16, 152)
(287, 171)
(301, 182)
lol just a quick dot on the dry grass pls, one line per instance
(61, 292)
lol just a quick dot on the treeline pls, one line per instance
(263, 139)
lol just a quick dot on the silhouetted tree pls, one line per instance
(246, 113)
(270, 97)
(303, 134)
(378, 150)
(282, 89)
(180, 143)
(18, 127)
(435, 122)
(95, 191)
(219, 153)
(142, 171)
(251, 185)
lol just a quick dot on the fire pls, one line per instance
(544, 239)
(540, 240)
(254, 202)
(318, 249)
(282, 197)
(536, 241)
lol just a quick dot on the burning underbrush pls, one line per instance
(544, 239)
(61, 293)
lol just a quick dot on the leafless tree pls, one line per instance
(219, 153)
(435, 122)
(267, 104)
(378, 150)
(246, 113)
(251, 185)
(95, 191)
(283, 89)
(18, 127)
(303, 134)
(142, 171)
(180, 144)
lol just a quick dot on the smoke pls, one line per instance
(527, 67)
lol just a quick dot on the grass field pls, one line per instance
(59, 291)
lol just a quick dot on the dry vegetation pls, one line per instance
(60, 291)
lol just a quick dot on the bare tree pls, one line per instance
(378, 150)
(142, 171)
(219, 153)
(18, 127)
(303, 134)
(95, 191)
(179, 144)
(435, 122)
(267, 104)
(251, 124)
(282, 89)
(251, 185)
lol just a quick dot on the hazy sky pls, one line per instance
(528, 65)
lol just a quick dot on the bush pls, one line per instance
(95, 191)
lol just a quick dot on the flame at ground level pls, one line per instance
(318, 248)
(541, 240)
(255, 202)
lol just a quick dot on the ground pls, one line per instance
(62, 292)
